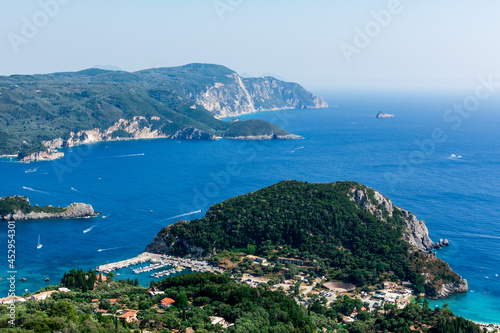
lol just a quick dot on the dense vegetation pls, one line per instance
(34, 108)
(253, 127)
(201, 295)
(9, 205)
(315, 222)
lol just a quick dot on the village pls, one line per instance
(301, 287)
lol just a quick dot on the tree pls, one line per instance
(426, 304)
(182, 303)
(250, 249)
(63, 309)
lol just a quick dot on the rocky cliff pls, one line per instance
(416, 234)
(239, 95)
(42, 156)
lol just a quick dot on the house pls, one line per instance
(11, 299)
(129, 316)
(291, 261)
(113, 301)
(153, 292)
(101, 311)
(220, 321)
(95, 300)
(257, 259)
(42, 296)
(63, 290)
(166, 303)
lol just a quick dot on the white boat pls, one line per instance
(39, 245)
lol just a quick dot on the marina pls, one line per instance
(158, 261)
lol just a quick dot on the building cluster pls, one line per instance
(36, 297)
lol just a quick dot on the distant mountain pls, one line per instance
(108, 67)
(66, 109)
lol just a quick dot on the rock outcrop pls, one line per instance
(382, 115)
(446, 289)
(42, 156)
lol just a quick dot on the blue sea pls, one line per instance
(445, 171)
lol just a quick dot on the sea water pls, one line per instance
(143, 186)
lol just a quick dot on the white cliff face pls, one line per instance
(137, 128)
(241, 96)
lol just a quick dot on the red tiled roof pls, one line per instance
(167, 301)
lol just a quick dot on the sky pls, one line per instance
(321, 44)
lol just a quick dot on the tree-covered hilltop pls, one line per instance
(10, 205)
(37, 108)
(199, 297)
(321, 224)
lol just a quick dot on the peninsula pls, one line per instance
(42, 113)
(344, 231)
(20, 208)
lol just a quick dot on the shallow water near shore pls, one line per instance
(142, 186)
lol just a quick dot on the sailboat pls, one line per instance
(39, 245)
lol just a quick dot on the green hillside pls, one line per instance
(318, 223)
(34, 108)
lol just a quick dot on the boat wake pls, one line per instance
(130, 155)
(30, 170)
(74, 189)
(181, 215)
(89, 229)
(110, 249)
(33, 190)
(455, 157)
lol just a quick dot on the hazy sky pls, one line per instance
(427, 43)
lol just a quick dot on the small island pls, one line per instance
(19, 208)
(382, 115)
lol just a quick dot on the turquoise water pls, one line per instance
(458, 198)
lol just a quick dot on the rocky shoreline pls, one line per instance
(73, 211)
(273, 136)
